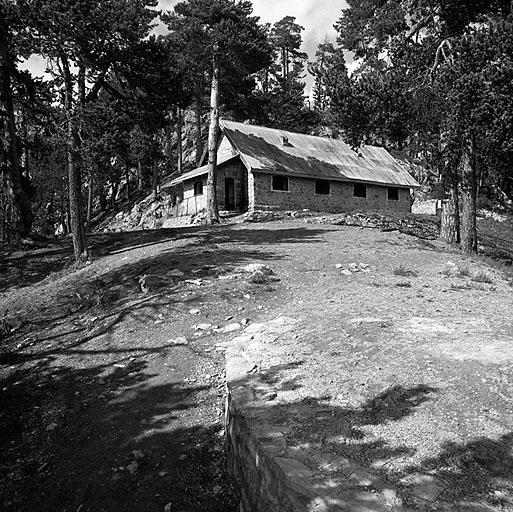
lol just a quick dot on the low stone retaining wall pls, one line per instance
(272, 475)
(256, 450)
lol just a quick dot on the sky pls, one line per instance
(316, 16)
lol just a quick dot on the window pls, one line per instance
(360, 190)
(393, 194)
(280, 183)
(198, 188)
(322, 187)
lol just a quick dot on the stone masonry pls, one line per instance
(301, 194)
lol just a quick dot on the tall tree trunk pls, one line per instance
(90, 195)
(103, 199)
(450, 222)
(75, 181)
(154, 179)
(468, 199)
(114, 193)
(139, 176)
(15, 209)
(199, 139)
(179, 147)
(127, 179)
(212, 208)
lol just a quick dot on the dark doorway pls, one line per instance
(229, 194)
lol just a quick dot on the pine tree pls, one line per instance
(235, 43)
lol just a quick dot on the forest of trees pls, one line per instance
(434, 80)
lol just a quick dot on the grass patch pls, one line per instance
(463, 272)
(482, 277)
(404, 271)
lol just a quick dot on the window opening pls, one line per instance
(322, 187)
(198, 188)
(280, 183)
(360, 190)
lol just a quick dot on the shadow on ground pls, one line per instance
(108, 443)
(473, 476)
(137, 283)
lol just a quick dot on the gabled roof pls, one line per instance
(263, 150)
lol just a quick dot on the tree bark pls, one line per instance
(90, 195)
(80, 248)
(154, 179)
(15, 209)
(468, 199)
(114, 193)
(139, 176)
(450, 221)
(127, 179)
(179, 147)
(212, 208)
(103, 199)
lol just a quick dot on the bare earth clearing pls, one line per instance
(111, 396)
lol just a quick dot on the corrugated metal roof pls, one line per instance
(263, 149)
(201, 170)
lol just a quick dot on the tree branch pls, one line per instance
(440, 52)
(424, 22)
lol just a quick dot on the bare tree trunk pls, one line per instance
(450, 222)
(199, 140)
(155, 179)
(75, 181)
(468, 199)
(15, 209)
(179, 147)
(212, 208)
(127, 179)
(139, 176)
(114, 193)
(90, 186)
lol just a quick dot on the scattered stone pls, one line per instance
(232, 327)
(176, 273)
(133, 467)
(255, 267)
(137, 454)
(346, 273)
(167, 508)
(245, 321)
(194, 312)
(203, 327)
(228, 277)
(197, 282)
(182, 340)
(339, 265)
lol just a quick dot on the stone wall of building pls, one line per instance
(301, 194)
(192, 204)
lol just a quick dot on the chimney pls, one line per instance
(284, 141)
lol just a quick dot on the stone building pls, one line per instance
(265, 168)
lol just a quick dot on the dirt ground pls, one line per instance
(111, 389)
